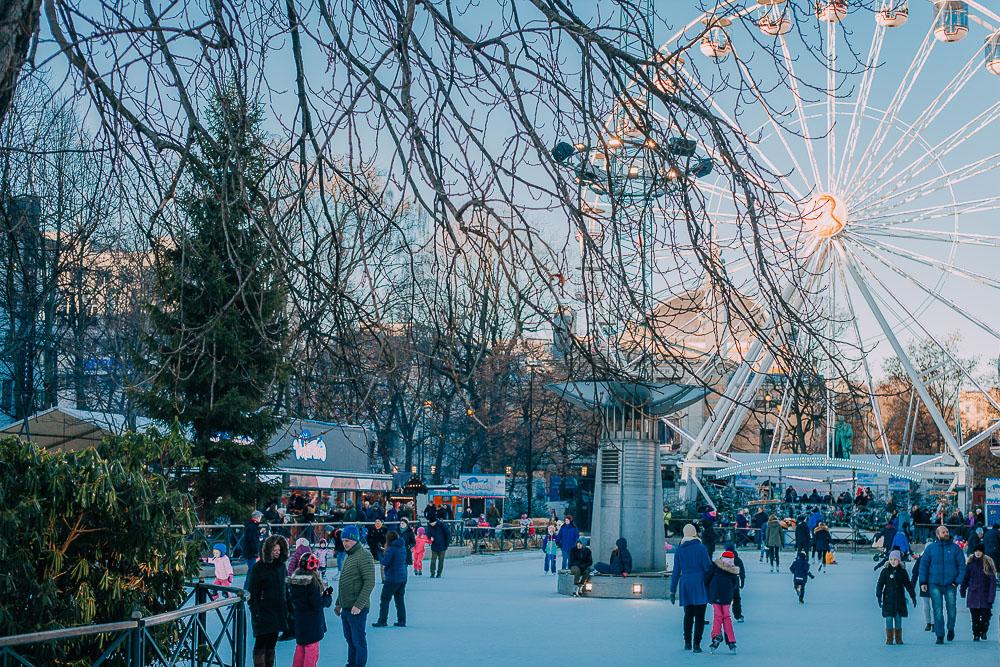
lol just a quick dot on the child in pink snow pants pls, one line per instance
(722, 582)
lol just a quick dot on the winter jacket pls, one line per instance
(802, 536)
(759, 520)
(376, 541)
(721, 582)
(223, 567)
(420, 546)
(409, 541)
(814, 520)
(709, 538)
(774, 533)
(800, 569)
(691, 564)
(266, 589)
(979, 588)
(430, 513)
(308, 602)
(991, 544)
(581, 558)
(888, 535)
(357, 579)
(893, 587)
(973, 542)
(901, 543)
(251, 540)
(821, 538)
(941, 564)
(567, 536)
(394, 562)
(293, 560)
(915, 579)
(438, 532)
(621, 558)
(550, 545)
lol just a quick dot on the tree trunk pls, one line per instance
(18, 22)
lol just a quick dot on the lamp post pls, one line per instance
(530, 432)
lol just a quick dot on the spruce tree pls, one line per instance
(218, 327)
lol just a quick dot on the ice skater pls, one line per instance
(738, 596)
(801, 574)
(891, 591)
(722, 581)
(550, 547)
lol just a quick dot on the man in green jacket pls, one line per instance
(357, 580)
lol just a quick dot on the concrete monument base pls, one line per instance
(645, 586)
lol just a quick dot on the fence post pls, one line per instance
(200, 598)
(240, 650)
(136, 652)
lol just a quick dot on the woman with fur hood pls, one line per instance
(722, 581)
(266, 589)
(979, 588)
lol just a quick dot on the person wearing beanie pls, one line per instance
(738, 596)
(223, 567)
(894, 584)
(354, 590)
(979, 588)
(550, 548)
(801, 574)
(722, 581)
(566, 539)
(419, 547)
(691, 564)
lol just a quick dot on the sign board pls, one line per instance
(746, 481)
(482, 486)
(866, 478)
(899, 484)
(992, 500)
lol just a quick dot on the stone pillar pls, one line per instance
(628, 499)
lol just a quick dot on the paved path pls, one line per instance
(508, 613)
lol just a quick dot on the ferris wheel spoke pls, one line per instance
(922, 286)
(930, 213)
(869, 377)
(940, 150)
(861, 103)
(761, 154)
(927, 333)
(915, 377)
(928, 116)
(902, 92)
(962, 238)
(928, 187)
(831, 103)
(937, 263)
(793, 84)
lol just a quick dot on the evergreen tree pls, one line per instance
(217, 332)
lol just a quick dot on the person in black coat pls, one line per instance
(709, 538)
(991, 543)
(821, 543)
(250, 542)
(409, 539)
(894, 584)
(620, 563)
(580, 562)
(738, 597)
(376, 539)
(266, 598)
(722, 581)
(802, 535)
(801, 574)
(309, 599)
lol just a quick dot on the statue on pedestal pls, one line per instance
(842, 435)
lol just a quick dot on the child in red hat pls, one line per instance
(722, 582)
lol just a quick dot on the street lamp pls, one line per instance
(583, 471)
(509, 471)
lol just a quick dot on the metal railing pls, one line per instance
(210, 633)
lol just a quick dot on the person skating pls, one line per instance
(566, 538)
(801, 574)
(821, 544)
(691, 564)
(323, 553)
(774, 540)
(550, 549)
(440, 537)
(309, 598)
(891, 591)
(266, 599)
(580, 562)
(722, 581)
(709, 537)
(418, 551)
(354, 592)
(979, 588)
(250, 542)
(408, 537)
(738, 596)
(619, 563)
(393, 581)
(376, 539)
(802, 535)
(941, 569)
(759, 523)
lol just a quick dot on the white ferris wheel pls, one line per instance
(890, 179)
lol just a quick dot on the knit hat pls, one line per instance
(301, 542)
(728, 554)
(895, 554)
(727, 558)
(690, 532)
(350, 533)
(420, 531)
(220, 547)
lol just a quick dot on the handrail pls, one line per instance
(166, 617)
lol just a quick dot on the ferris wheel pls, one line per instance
(888, 180)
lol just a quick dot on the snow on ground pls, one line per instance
(508, 613)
